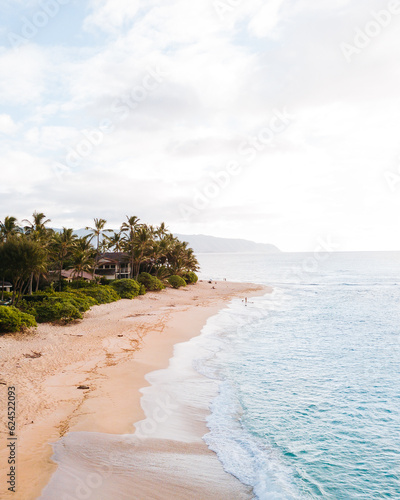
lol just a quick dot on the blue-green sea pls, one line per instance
(309, 395)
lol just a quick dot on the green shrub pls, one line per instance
(142, 290)
(103, 294)
(39, 296)
(151, 283)
(57, 306)
(126, 288)
(162, 273)
(27, 307)
(190, 277)
(51, 310)
(80, 283)
(13, 320)
(64, 285)
(176, 281)
(80, 300)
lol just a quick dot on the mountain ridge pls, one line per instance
(202, 243)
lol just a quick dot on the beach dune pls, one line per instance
(98, 451)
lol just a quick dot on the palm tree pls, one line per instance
(9, 228)
(180, 258)
(131, 226)
(83, 256)
(161, 231)
(83, 243)
(129, 230)
(97, 232)
(19, 258)
(144, 242)
(61, 247)
(82, 261)
(115, 241)
(38, 225)
(37, 231)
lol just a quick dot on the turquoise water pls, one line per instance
(309, 400)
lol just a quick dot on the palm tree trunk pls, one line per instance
(132, 268)
(31, 284)
(96, 260)
(137, 269)
(19, 284)
(2, 290)
(60, 278)
(24, 290)
(14, 292)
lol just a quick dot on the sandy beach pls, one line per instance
(109, 352)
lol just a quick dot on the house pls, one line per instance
(113, 266)
(6, 286)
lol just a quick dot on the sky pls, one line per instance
(275, 121)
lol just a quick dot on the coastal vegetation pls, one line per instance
(128, 289)
(176, 281)
(150, 283)
(14, 320)
(55, 275)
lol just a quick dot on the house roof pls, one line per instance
(6, 284)
(71, 274)
(105, 260)
(115, 257)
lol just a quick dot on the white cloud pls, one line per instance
(267, 18)
(50, 138)
(22, 76)
(110, 15)
(22, 173)
(7, 125)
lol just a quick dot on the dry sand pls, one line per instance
(110, 351)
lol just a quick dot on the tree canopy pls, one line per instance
(31, 252)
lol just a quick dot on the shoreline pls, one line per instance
(111, 351)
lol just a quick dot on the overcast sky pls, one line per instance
(275, 121)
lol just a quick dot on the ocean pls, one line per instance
(308, 402)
